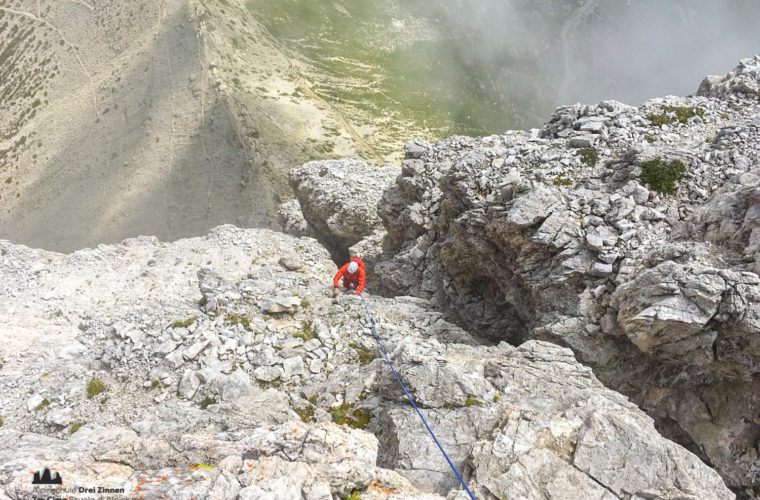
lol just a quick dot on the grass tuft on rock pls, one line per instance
(671, 114)
(561, 180)
(238, 319)
(364, 354)
(348, 415)
(472, 402)
(306, 414)
(305, 333)
(207, 401)
(272, 384)
(179, 323)
(43, 404)
(589, 156)
(662, 175)
(95, 387)
(76, 426)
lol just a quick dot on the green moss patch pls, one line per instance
(183, 322)
(207, 401)
(661, 175)
(589, 156)
(306, 413)
(672, 114)
(238, 319)
(95, 387)
(348, 415)
(305, 333)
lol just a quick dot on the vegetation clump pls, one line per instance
(353, 496)
(365, 356)
(306, 413)
(238, 319)
(670, 114)
(95, 387)
(346, 414)
(472, 402)
(43, 404)
(561, 180)
(207, 401)
(272, 384)
(662, 175)
(305, 333)
(76, 426)
(183, 322)
(589, 156)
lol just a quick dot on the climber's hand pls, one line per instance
(335, 291)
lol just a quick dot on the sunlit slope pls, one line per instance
(161, 118)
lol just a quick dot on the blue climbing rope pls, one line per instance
(409, 397)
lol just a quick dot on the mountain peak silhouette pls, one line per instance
(47, 477)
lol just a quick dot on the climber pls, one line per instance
(352, 273)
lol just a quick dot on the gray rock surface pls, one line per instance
(339, 199)
(558, 234)
(249, 415)
(532, 423)
(742, 81)
(291, 220)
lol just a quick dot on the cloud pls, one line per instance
(544, 53)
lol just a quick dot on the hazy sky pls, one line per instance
(589, 50)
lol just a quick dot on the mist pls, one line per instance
(545, 53)
(476, 67)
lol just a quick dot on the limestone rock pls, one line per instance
(59, 417)
(189, 384)
(339, 198)
(291, 220)
(544, 435)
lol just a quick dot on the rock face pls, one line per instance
(163, 369)
(339, 200)
(318, 461)
(501, 413)
(742, 82)
(569, 234)
(291, 220)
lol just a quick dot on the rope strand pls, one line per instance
(409, 397)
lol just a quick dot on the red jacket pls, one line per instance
(356, 279)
